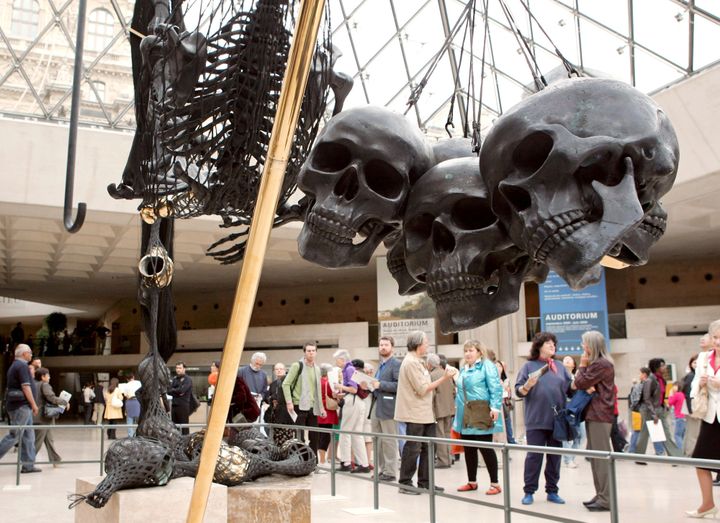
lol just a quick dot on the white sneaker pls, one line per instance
(572, 465)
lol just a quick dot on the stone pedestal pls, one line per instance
(168, 504)
(272, 499)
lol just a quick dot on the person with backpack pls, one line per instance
(635, 400)
(303, 394)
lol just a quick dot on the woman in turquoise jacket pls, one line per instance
(479, 380)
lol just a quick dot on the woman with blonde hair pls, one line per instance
(113, 406)
(707, 380)
(596, 371)
(479, 380)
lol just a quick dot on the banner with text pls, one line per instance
(568, 313)
(399, 315)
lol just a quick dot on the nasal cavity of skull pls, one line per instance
(531, 153)
(514, 197)
(383, 179)
(442, 240)
(347, 186)
(331, 157)
(472, 214)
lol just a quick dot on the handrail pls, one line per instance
(504, 448)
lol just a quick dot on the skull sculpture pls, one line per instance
(572, 169)
(357, 177)
(454, 243)
(407, 285)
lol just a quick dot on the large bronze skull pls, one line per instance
(454, 243)
(574, 168)
(357, 177)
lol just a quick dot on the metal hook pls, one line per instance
(71, 225)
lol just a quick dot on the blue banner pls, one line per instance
(568, 313)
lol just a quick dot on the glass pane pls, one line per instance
(663, 28)
(611, 13)
(707, 36)
(605, 53)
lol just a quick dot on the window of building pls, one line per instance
(25, 18)
(100, 29)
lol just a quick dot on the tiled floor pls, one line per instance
(647, 494)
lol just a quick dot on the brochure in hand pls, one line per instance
(537, 373)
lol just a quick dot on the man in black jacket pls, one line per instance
(181, 390)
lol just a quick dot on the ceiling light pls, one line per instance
(680, 16)
(621, 49)
(561, 22)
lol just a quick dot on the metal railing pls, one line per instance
(503, 448)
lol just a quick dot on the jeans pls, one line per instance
(131, 430)
(660, 448)
(507, 414)
(679, 431)
(574, 444)
(21, 416)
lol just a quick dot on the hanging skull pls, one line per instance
(573, 168)
(357, 177)
(454, 243)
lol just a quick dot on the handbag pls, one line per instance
(476, 413)
(330, 403)
(700, 401)
(116, 402)
(53, 411)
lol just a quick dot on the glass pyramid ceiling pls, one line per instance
(388, 47)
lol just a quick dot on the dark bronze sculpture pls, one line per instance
(357, 178)
(456, 245)
(574, 168)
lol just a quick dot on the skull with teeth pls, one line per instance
(572, 170)
(454, 243)
(358, 176)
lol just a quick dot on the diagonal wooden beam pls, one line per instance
(291, 96)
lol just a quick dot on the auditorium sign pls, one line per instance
(568, 313)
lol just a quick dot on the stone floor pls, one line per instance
(653, 494)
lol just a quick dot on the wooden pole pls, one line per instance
(291, 96)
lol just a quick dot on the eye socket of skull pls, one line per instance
(472, 214)
(331, 157)
(530, 154)
(384, 179)
(417, 231)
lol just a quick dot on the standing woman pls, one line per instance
(479, 380)
(692, 425)
(541, 394)
(331, 415)
(707, 376)
(596, 370)
(113, 406)
(507, 401)
(88, 393)
(46, 396)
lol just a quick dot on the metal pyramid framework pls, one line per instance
(387, 44)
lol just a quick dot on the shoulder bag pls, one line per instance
(116, 401)
(476, 413)
(700, 401)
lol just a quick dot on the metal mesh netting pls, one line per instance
(207, 76)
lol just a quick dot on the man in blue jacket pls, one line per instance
(382, 412)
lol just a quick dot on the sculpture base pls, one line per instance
(272, 499)
(168, 504)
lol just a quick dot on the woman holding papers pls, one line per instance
(707, 381)
(544, 384)
(46, 396)
(596, 370)
(479, 380)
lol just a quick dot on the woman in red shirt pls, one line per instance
(331, 417)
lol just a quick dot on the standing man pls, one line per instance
(17, 334)
(255, 377)
(652, 408)
(99, 402)
(181, 390)
(302, 392)
(414, 407)
(383, 408)
(443, 408)
(21, 408)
